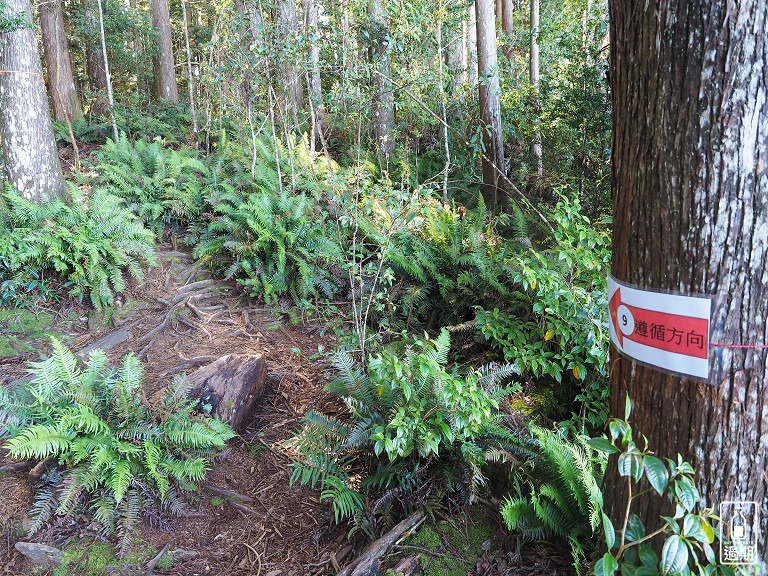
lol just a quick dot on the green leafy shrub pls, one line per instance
(88, 244)
(560, 496)
(556, 323)
(272, 244)
(688, 535)
(163, 186)
(407, 405)
(117, 456)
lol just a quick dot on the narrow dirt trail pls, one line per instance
(177, 320)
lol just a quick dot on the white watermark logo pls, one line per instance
(740, 525)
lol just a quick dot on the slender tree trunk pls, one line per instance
(535, 83)
(490, 102)
(26, 134)
(443, 103)
(107, 75)
(454, 56)
(61, 83)
(165, 86)
(383, 96)
(690, 211)
(190, 75)
(289, 74)
(314, 88)
(94, 59)
(471, 45)
(508, 27)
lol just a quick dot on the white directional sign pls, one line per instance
(668, 331)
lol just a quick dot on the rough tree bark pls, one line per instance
(690, 213)
(165, 87)
(61, 83)
(470, 48)
(490, 101)
(26, 134)
(535, 83)
(383, 95)
(508, 26)
(290, 76)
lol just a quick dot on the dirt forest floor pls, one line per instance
(177, 320)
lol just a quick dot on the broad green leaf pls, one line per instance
(707, 528)
(610, 532)
(606, 566)
(674, 555)
(656, 473)
(628, 569)
(686, 493)
(602, 444)
(627, 408)
(631, 465)
(648, 556)
(635, 528)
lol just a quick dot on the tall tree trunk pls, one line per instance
(107, 75)
(61, 83)
(508, 27)
(454, 55)
(535, 83)
(94, 59)
(490, 101)
(290, 75)
(26, 134)
(190, 74)
(165, 86)
(471, 45)
(383, 96)
(314, 88)
(690, 213)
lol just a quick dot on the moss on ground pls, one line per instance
(452, 547)
(86, 558)
(91, 558)
(20, 329)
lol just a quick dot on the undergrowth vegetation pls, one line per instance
(84, 247)
(422, 422)
(417, 427)
(115, 456)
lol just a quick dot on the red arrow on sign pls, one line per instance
(671, 332)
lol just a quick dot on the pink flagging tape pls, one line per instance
(747, 346)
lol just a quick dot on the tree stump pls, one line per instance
(230, 387)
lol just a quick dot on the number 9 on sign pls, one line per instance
(626, 320)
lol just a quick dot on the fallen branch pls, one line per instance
(195, 285)
(369, 560)
(152, 563)
(227, 493)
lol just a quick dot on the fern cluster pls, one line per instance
(442, 260)
(407, 405)
(163, 186)
(560, 495)
(117, 457)
(273, 244)
(89, 243)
